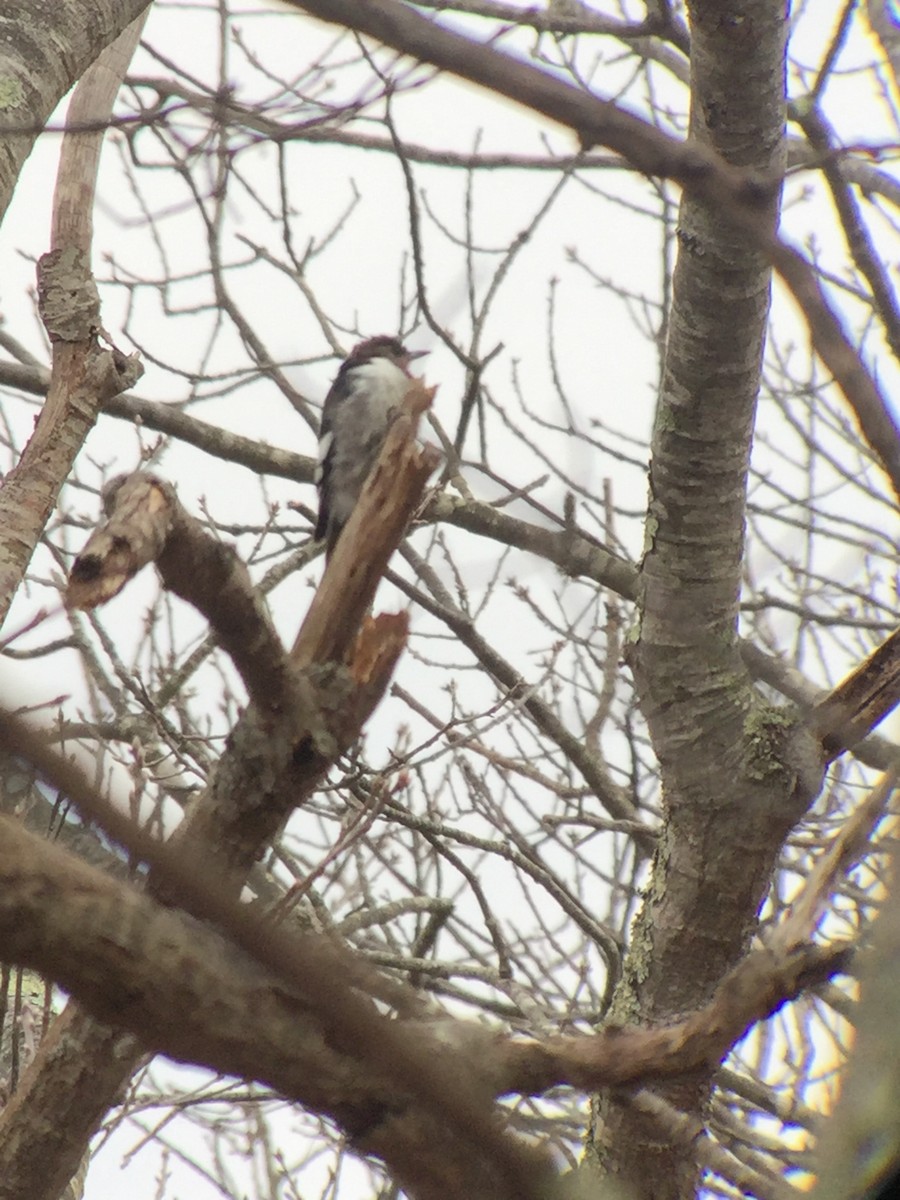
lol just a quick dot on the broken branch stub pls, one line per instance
(146, 523)
(139, 512)
(868, 694)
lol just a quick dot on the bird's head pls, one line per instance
(383, 346)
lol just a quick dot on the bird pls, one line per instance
(370, 385)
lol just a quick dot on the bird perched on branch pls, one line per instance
(356, 416)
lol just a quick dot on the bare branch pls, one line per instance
(83, 375)
(698, 170)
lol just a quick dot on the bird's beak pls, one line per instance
(417, 354)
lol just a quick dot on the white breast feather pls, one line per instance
(382, 379)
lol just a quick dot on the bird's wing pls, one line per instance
(324, 461)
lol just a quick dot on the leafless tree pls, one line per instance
(555, 876)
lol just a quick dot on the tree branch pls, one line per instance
(269, 768)
(217, 996)
(288, 1011)
(321, 1042)
(82, 375)
(744, 196)
(42, 58)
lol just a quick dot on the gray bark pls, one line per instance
(730, 796)
(47, 47)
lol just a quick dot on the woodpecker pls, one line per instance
(356, 415)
